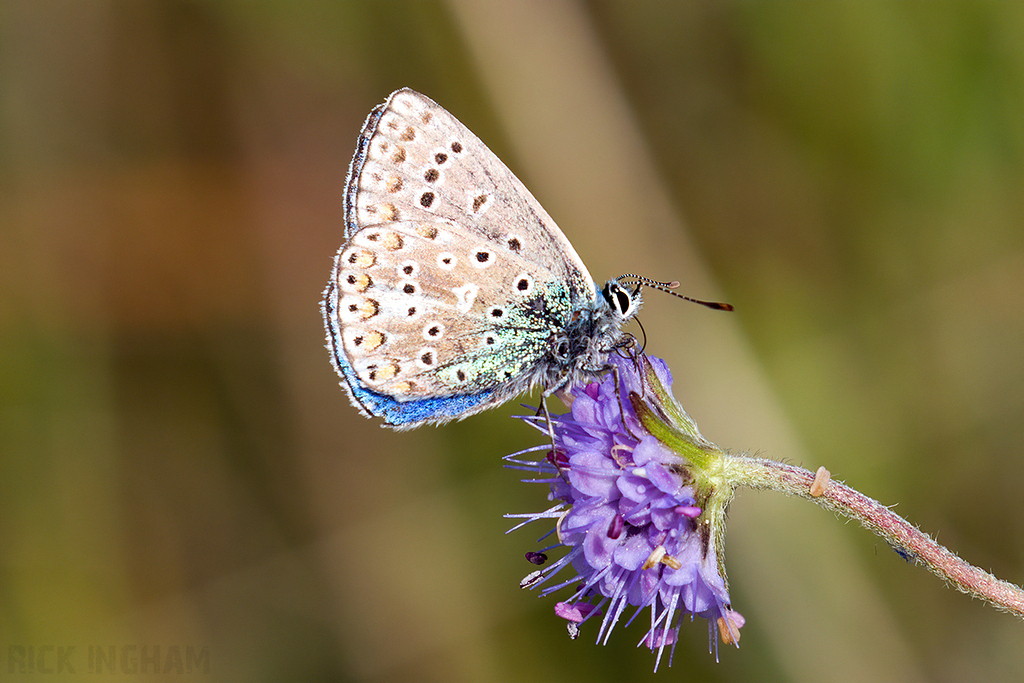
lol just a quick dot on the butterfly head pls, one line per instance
(579, 352)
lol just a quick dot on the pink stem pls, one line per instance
(909, 541)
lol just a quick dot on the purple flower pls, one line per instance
(640, 509)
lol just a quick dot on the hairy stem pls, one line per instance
(910, 542)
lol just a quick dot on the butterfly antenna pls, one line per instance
(667, 287)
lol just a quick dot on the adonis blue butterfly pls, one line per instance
(454, 290)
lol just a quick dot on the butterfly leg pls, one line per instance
(618, 398)
(543, 408)
(547, 418)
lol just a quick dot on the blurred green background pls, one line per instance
(180, 469)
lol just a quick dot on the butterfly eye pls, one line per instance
(618, 299)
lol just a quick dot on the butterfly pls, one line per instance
(454, 290)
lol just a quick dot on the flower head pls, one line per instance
(640, 507)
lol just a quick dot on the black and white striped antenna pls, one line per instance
(667, 287)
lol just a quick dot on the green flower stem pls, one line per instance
(717, 474)
(909, 541)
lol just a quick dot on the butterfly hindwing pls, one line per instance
(428, 309)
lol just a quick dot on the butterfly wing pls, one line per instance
(415, 161)
(453, 279)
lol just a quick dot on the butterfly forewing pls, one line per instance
(418, 162)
